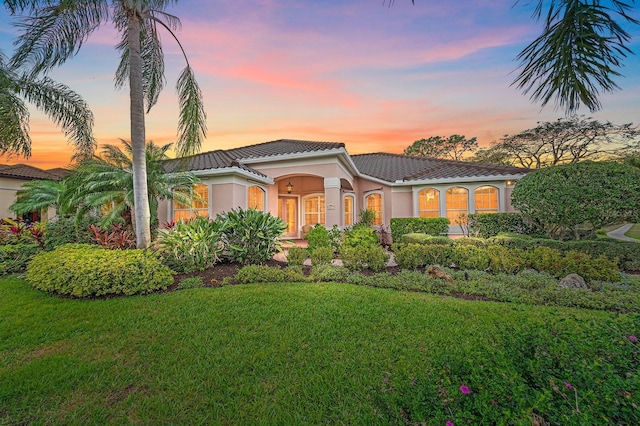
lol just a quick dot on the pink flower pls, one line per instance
(494, 402)
(465, 390)
(568, 385)
(633, 338)
(449, 423)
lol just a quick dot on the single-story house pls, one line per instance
(12, 177)
(306, 182)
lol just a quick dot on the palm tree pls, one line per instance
(54, 32)
(43, 194)
(61, 104)
(106, 183)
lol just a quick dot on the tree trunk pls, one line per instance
(140, 198)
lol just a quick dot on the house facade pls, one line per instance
(12, 177)
(306, 182)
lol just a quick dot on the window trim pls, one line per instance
(264, 196)
(193, 211)
(439, 204)
(446, 205)
(354, 209)
(366, 205)
(319, 212)
(475, 201)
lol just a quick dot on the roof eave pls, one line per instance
(234, 170)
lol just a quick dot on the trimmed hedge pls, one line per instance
(487, 225)
(627, 254)
(427, 225)
(82, 270)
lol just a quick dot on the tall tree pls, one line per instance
(54, 31)
(65, 108)
(452, 148)
(566, 140)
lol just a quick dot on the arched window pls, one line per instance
(348, 210)
(429, 203)
(457, 204)
(486, 199)
(314, 210)
(255, 196)
(199, 204)
(374, 203)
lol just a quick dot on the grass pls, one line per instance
(634, 231)
(310, 354)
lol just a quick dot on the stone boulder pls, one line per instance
(573, 281)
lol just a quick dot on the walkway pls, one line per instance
(618, 234)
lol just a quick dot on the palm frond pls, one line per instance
(577, 55)
(192, 122)
(38, 195)
(65, 108)
(14, 124)
(56, 33)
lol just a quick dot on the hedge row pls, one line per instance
(500, 259)
(487, 225)
(426, 225)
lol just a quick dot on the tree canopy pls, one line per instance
(566, 140)
(579, 197)
(452, 148)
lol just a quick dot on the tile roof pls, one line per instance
(282, 147)
(26, 172)
(60, 172)
(396, 167)
(217, 159)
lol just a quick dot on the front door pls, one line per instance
(288, 211)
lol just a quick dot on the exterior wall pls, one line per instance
(8, 189)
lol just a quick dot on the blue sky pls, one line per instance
(355, 71)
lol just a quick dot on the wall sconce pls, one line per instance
(289, 187)
(509, 182)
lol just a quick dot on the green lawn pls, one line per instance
(311, 354)
(634, 232)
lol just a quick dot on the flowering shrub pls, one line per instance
(538, 374)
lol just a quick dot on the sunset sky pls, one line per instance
(355, 71)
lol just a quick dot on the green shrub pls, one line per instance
(194, 245)
(191, 282)
(360, 237)
(419, 238)
(598, 269)
(68, 230)
(487, 225)
(317, 237)
(329, 273)
(14, 258)
(506, 260)
(251, 274)
(321, 255)
(427, 225)
(82, 270)
(335, 238)
(414, 256)
(627, 252)
(367, 217)
(297, 255)
(471, 241)
(544, 259)
(359, 258)
(470, 257)
(252, 236)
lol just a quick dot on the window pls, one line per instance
(429, 203)
(457, 204)
(314, 210)
(199, 205)
(374, 202)
(256, 198)
(486, 199)
(349, 204)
